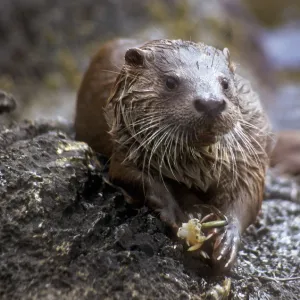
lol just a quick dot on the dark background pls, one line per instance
(46, 45)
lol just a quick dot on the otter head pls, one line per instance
(174, 90)
(182, 86)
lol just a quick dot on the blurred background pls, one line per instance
(46, 45)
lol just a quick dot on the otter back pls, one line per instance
(90, 124)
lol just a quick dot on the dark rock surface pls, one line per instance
(7, 102)
(67, 234)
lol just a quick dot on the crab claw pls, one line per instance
(191, 232)
(195, 247)
(201, 240)
(214, 224)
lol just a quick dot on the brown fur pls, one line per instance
(165, 152)
(94, 92)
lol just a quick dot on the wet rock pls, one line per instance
(7, 102)
(7, 107)
(269, 262)
(65, 233)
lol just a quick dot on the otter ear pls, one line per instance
(231, 65)
(135, 57)
(226, 53)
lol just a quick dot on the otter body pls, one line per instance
(181, 128)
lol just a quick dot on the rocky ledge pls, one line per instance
(67, 234)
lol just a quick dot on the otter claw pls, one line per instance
(225, 244)
(226, 248)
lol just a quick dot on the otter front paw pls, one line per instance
(226, 247)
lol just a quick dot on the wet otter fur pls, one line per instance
(181, 128)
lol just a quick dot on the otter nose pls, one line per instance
(211, 107)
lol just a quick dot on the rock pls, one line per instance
(36, 35)
(65, 233)
(7, 102)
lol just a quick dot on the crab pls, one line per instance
(192, 231)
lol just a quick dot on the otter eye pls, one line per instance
(225, 84)
(171, 83)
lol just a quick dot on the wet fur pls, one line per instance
(159, 147)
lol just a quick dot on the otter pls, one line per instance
(180, 127)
